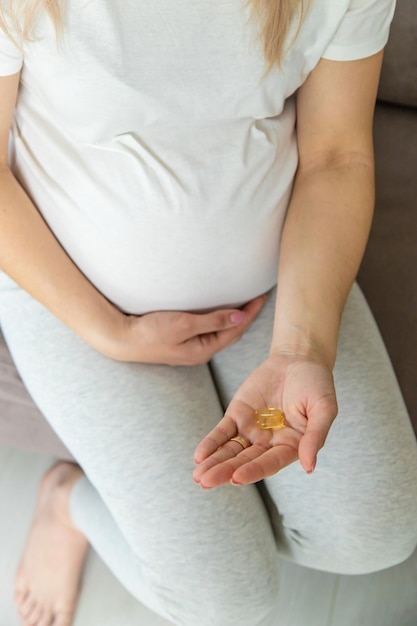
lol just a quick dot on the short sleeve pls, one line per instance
(11, 58)
(363, 30)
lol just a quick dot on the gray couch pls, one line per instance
(388, 274)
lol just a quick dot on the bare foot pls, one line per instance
(48, 577)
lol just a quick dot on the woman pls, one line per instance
(164, 173)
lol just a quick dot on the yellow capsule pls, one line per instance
(270, 418)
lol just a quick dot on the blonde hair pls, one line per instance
(18, 16)
(274, 17)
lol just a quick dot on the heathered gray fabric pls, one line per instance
(212, 557)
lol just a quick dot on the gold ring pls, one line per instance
(270, 418)
(245, 444)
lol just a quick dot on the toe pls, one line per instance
(20, 595)
(62, 619)
(34, 616)
(27, 606)
(46, 619)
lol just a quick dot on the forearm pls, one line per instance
(323, 241)
(34, 259)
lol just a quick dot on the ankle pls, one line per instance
(56, 487)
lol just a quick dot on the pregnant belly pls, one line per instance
(178, 266)
(194, 228)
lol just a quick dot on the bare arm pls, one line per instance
(33, 258)
(330, 213)
(323, 240)
(31, 255)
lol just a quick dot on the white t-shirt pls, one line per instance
(156, 150)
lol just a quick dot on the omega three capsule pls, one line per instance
(270, 418)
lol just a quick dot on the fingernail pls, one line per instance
(238, 317)
(236, 484)
(313, 467)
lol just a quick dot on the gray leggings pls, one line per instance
(212, 557)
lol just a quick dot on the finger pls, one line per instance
(196, 324)
(310, 444)
(268, 464)
(250, 466)
(250, 310)
(221, 473)
(227, 451)
(254, 307)
(318, 426)
(205, 335)
(224, 319)
(223, 432)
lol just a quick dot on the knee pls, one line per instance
(363, 548)
(224, 600)
(382, 538)
(360, 559)
(257, 608)
(369, 555)
(256, 604)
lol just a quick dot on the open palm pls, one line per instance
(304, 389)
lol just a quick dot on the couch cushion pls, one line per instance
(21, 424)
(388, 272)
(399, 72)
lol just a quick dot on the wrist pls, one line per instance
(294, 342)
(106, 331)
(306, 326)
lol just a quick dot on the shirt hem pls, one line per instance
(8, 69)
(346, 53)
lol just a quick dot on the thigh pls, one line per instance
(133, 428)
(159, 412)
(358, 511)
